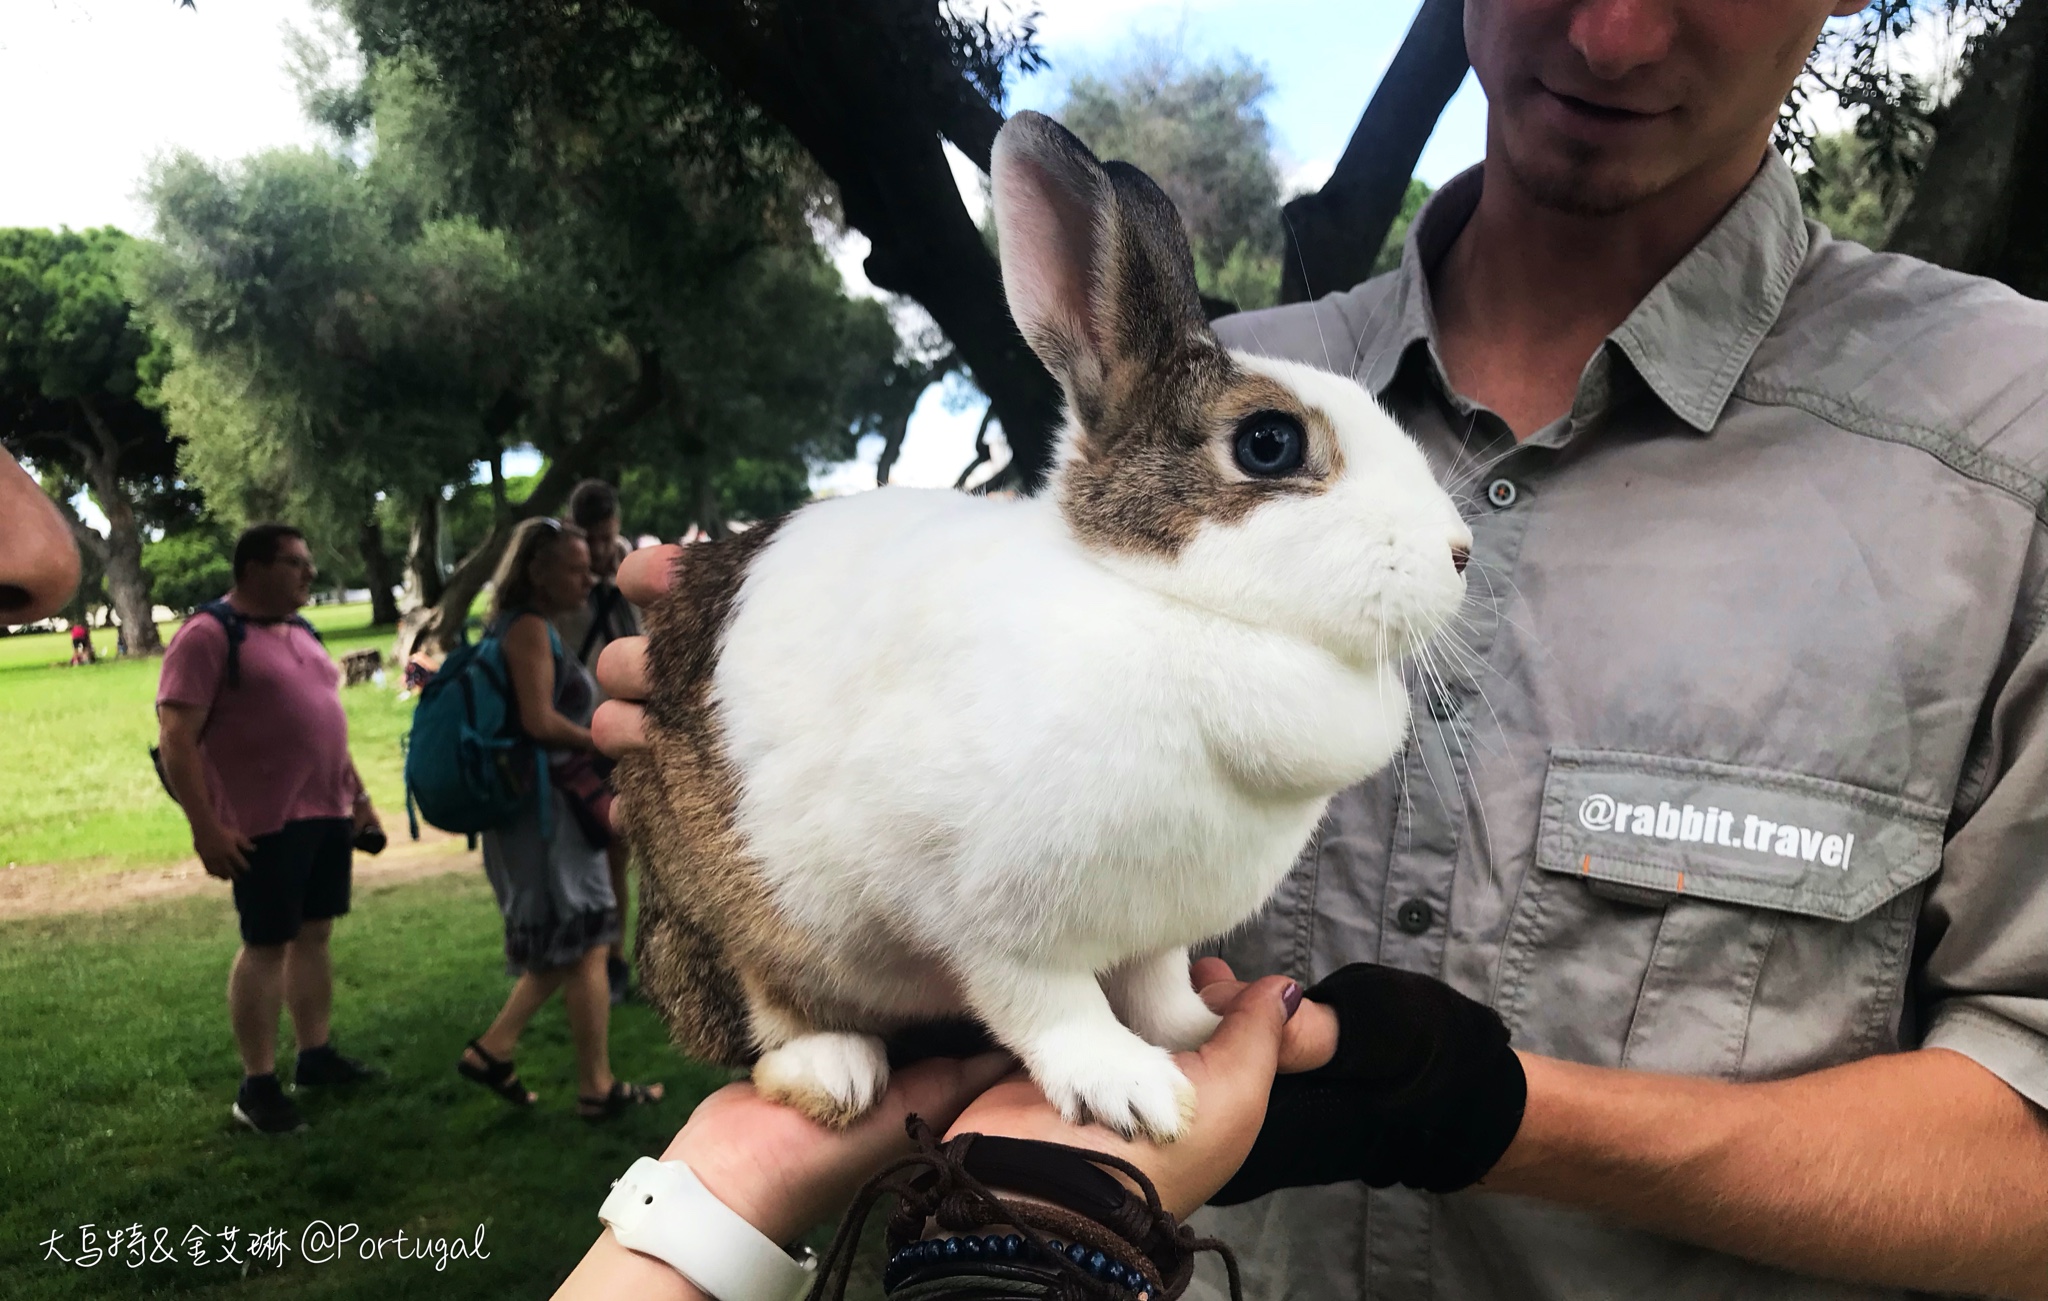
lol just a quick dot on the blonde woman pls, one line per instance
(553, 885)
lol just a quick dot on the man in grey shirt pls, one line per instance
(1734, 800)
(1733, 797)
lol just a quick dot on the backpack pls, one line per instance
(236, 625)
(469, 766)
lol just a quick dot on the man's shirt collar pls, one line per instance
(1689, 339)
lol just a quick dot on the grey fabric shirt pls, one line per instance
(1741, 768)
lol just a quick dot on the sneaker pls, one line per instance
(261, 1105)
(321, 1067)
(621, 977)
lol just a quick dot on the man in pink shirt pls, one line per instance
(255, 747)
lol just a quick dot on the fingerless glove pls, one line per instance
(1423, 1091)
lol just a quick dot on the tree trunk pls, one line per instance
(377, 564)
(1981, 202)
(424, 575)
(127, 585)
(1334, 234)
(869, 100)
(445, 625)
(709, 517)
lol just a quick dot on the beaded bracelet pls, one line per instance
(907, 1263)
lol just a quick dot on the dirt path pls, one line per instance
(42, 890)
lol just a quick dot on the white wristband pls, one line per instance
(661, 1209)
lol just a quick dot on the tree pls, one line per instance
(1200, 132)
(1981, 202)
(613, 263)
(77, 376)
(189, 567)
(869, 90)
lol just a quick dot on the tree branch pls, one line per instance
(1334, 235)
(855, 86)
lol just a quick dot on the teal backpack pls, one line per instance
(469, 766)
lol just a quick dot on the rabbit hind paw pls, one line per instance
(833, 1077)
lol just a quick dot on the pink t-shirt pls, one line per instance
(276, 746)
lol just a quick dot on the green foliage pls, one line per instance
(1846, 190)
(1397, 234)
(1200, 132)
(1248, 279)
(323, 356)
(69, 341)
(468, 511)
(69, 330)
(189, 567)
(543, 223)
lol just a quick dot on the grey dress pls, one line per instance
(554, 890)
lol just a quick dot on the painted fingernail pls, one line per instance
(1290, 998)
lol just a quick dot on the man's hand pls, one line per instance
(1403, 1080)
(1232, 1075)
(224, 853)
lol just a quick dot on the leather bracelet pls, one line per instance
(1087, 1236)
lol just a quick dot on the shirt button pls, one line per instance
(1443, 706)
(1502, 493)
(1414, 917)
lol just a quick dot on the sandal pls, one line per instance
(497, 1076)
(622, 1096)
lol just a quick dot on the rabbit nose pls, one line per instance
(1461, 556)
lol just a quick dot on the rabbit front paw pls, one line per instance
(1152, 996)
(1177, 1020)
(832, 1077)
(1115, 1079)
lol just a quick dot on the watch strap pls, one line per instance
(661, 1209)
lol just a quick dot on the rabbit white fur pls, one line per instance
(1011, 758)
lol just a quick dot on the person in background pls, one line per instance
(261, 767)
(604, 617)
(551, 878)
(38, 558)
(81, 645)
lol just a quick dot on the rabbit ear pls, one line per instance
(1095, 263)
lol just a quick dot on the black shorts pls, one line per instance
(296, 874)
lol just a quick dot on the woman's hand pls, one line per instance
(780, 1171)
(1311, 1038)
(619, 725)
(1232, 1075)
(785, 1173)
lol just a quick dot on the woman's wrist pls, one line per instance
(739, 1181)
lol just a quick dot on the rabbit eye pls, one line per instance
(1270, 444)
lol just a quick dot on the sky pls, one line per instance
(95, 90)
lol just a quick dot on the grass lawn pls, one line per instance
(75, 779)
(114, 1106)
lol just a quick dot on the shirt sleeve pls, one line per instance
(1984, 977)
(193, 664)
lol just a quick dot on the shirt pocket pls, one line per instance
(1710, 919)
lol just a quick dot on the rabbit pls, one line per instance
(918, 755)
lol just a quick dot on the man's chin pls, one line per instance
(1582, 186)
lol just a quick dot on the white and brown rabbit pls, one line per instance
(917, 755)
